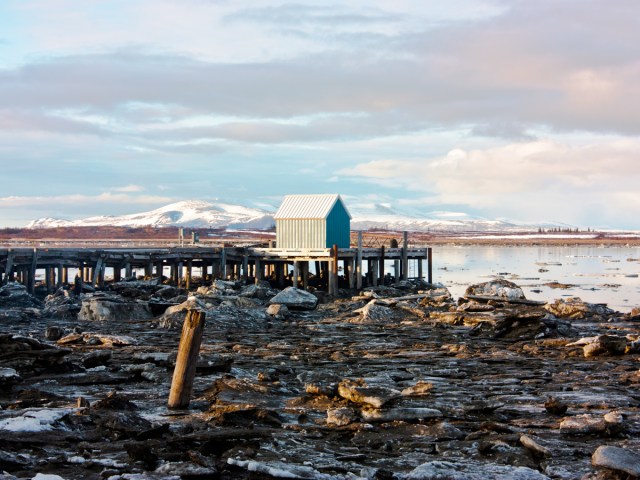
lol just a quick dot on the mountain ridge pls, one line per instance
(203, 214)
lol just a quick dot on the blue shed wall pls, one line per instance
(338, 227)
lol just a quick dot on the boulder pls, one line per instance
(173, 317)
(14, 294)
(470, 470)
(601, 345)
(295, 299)
(575, 308)
(359, 392)
(499, 289)
(616, 458)
(372, 312)
(103, 308)
(62, 304)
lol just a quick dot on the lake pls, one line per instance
(597, 274)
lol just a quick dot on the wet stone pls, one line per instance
(616, 458)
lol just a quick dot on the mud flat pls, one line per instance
(392, 382)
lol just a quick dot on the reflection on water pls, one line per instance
(596, 274)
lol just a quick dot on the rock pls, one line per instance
(278, 311)
(616, 458)
(530, 444)
(173, 317)
(499, 289)
(295, 299)
(575, 308)
(262, 291)
(8, 377)
(601, 345)
(469, 470)
(555, 406)
(403, 414)
(582, 425)
(99, 357)
(114, 401)
(62, 304)
(373, 312)
(103, 308)
(418, 390)
(358, 392)
(341, 416)
(54, 333)
(15, 295)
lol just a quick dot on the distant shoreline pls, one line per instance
(164, 235)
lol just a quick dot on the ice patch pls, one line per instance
(34, 420)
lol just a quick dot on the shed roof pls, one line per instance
(308, 206)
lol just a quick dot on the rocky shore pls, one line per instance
(391, 382)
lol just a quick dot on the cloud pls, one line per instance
(103, 198)
(530, 180)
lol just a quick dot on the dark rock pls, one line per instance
(114, 401)
(54, 333)
(555, 406)
(99, 357)
(616, 458)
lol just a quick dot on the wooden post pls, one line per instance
(223, 264)
(47, 278)
(8, 271)
(65, 275)
(420, 260)
(188, 274)
(396, 270)
(59, 280)
(296, 273)
(374, 272)
(159, 269)
(352, 272)
(127, 270)
(31, 281)
(382, 265)
(334, 268)
(187, 360)
(358, 272)
(245, 267)
(258, 271)
(305, 275)
(429, 265)
(117, 273)
(405, 256)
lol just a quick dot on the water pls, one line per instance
(597, 274)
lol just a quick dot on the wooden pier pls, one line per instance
(332, 268)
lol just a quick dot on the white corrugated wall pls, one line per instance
(301, 233)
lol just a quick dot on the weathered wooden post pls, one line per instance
(358, 272)
(189, 269)
(382, 264)
(405, 256)
(31, 281)
(259, 269)
(334, 268)
(430, 265)
(187, 360)
(296, 273)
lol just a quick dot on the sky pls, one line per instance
(519, 110)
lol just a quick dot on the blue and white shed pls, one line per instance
(312, 221)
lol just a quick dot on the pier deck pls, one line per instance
(335, 267)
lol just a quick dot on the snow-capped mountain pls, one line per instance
(384, 216)
(201, 214)
(189, 213)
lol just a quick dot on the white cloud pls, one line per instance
(70, 200)
(525, 180)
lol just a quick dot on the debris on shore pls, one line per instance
(398, 381)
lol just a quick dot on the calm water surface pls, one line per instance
(597, 274)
